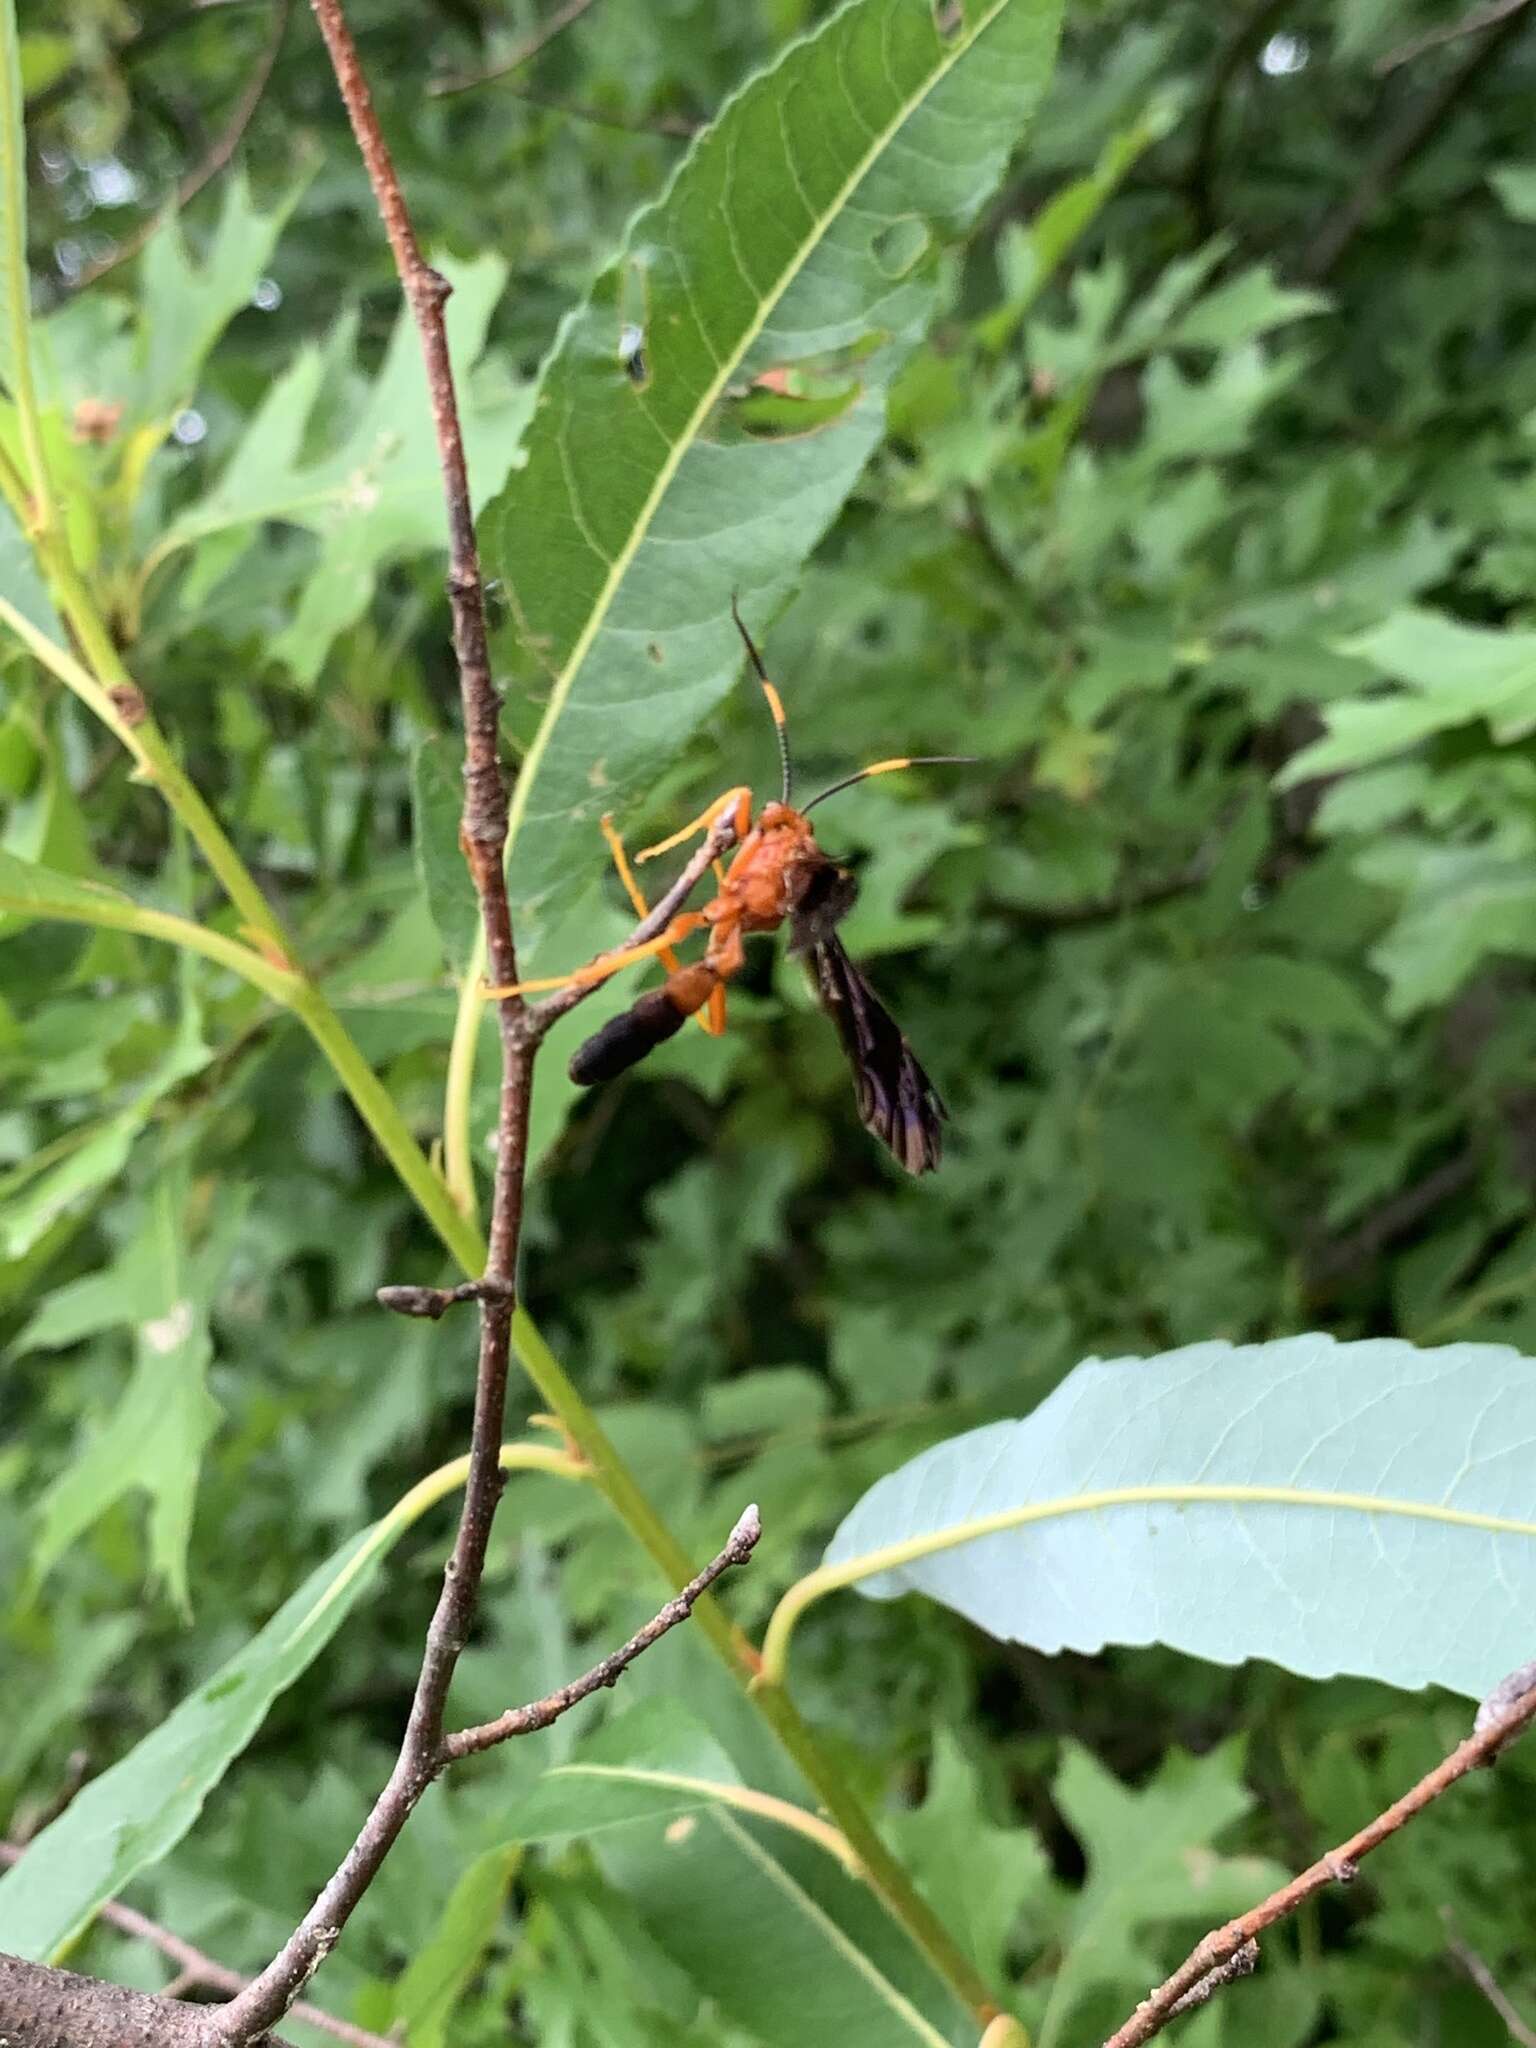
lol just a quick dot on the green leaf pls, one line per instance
(136, 1811)
(441, 1971)
(1373, 1520)
(34, 891)
(1460, 904)
(14, 285)
(186, 306)
(1453, 674)
(768, 1927)
(155, 1437)
(979, 1877)
(1516, 187)
(437, 804)
(20, 583)
(1149, 1860)
(641, 508)
(377, 497)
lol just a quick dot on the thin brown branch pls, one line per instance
(517, 57)
(1413, 129)
(1508, 1711)
(199, 1970)
(224, 147)
(1482, 1976)
(540, 1713)
(720, 837)
(483, 835)
(1469, 25)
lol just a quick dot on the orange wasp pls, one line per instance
(777, 874)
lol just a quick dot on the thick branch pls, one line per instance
(88, 1996)
(540, 1713)
(47, 2008)
(1507, 1712)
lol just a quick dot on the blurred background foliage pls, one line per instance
(1207, 516)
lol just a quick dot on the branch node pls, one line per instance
(435, 1302)
(1242, 1964)
(1342, 1868)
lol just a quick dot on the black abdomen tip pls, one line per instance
(626, 1039)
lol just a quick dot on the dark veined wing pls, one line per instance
(896, 1099)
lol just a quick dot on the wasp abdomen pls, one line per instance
(625, 1040)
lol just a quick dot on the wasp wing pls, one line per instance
(896, 1099)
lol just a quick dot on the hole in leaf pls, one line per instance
(900, 245)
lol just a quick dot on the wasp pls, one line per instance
(777, 875)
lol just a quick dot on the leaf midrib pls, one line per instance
(880, 140)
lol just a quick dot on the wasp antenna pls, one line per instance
(890, 767)
(774, 700)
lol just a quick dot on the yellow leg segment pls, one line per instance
(607, 963)
(738, 799)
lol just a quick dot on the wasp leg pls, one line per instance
(712, 1016)
(738, 800)
(606, 963)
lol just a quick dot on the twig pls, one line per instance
(434, 1302)
(132, 51)
(1489, 1985)
(483, 836)
(1243, 1964)
(1514, 1713)
(1413, 129)
(675, 127)
(215, 160)
(540, 1713)
(1469, 25)
(465, 81)
(720, 837)
(199, 1969)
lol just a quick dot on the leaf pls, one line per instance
(1364, 1507)
(440, 1972)
(34, 891)
(156, 1435)
(979, 1877)
(137, 1810)
(20, 583)
(769, 1928)
(1516, 186)
(1149, 1860)
(1460, 903)
(437, 804)
(377, 497)
(185, 306)
(1453, 673)
(14, 284)
(640, 510)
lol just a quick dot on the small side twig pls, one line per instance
(203, 172)
(1469, 25)
(721, 836)
(435, 1302)
(465, 81)
(1507, 1712)
(1482, 1976)
(540, 1713)
(201, 1971)
(1403, 142)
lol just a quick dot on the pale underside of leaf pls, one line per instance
(1365, 1508)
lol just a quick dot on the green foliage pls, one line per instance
(1075, 457)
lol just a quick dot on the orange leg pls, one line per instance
(606, 963)
(739, 800)
(712, 1016)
